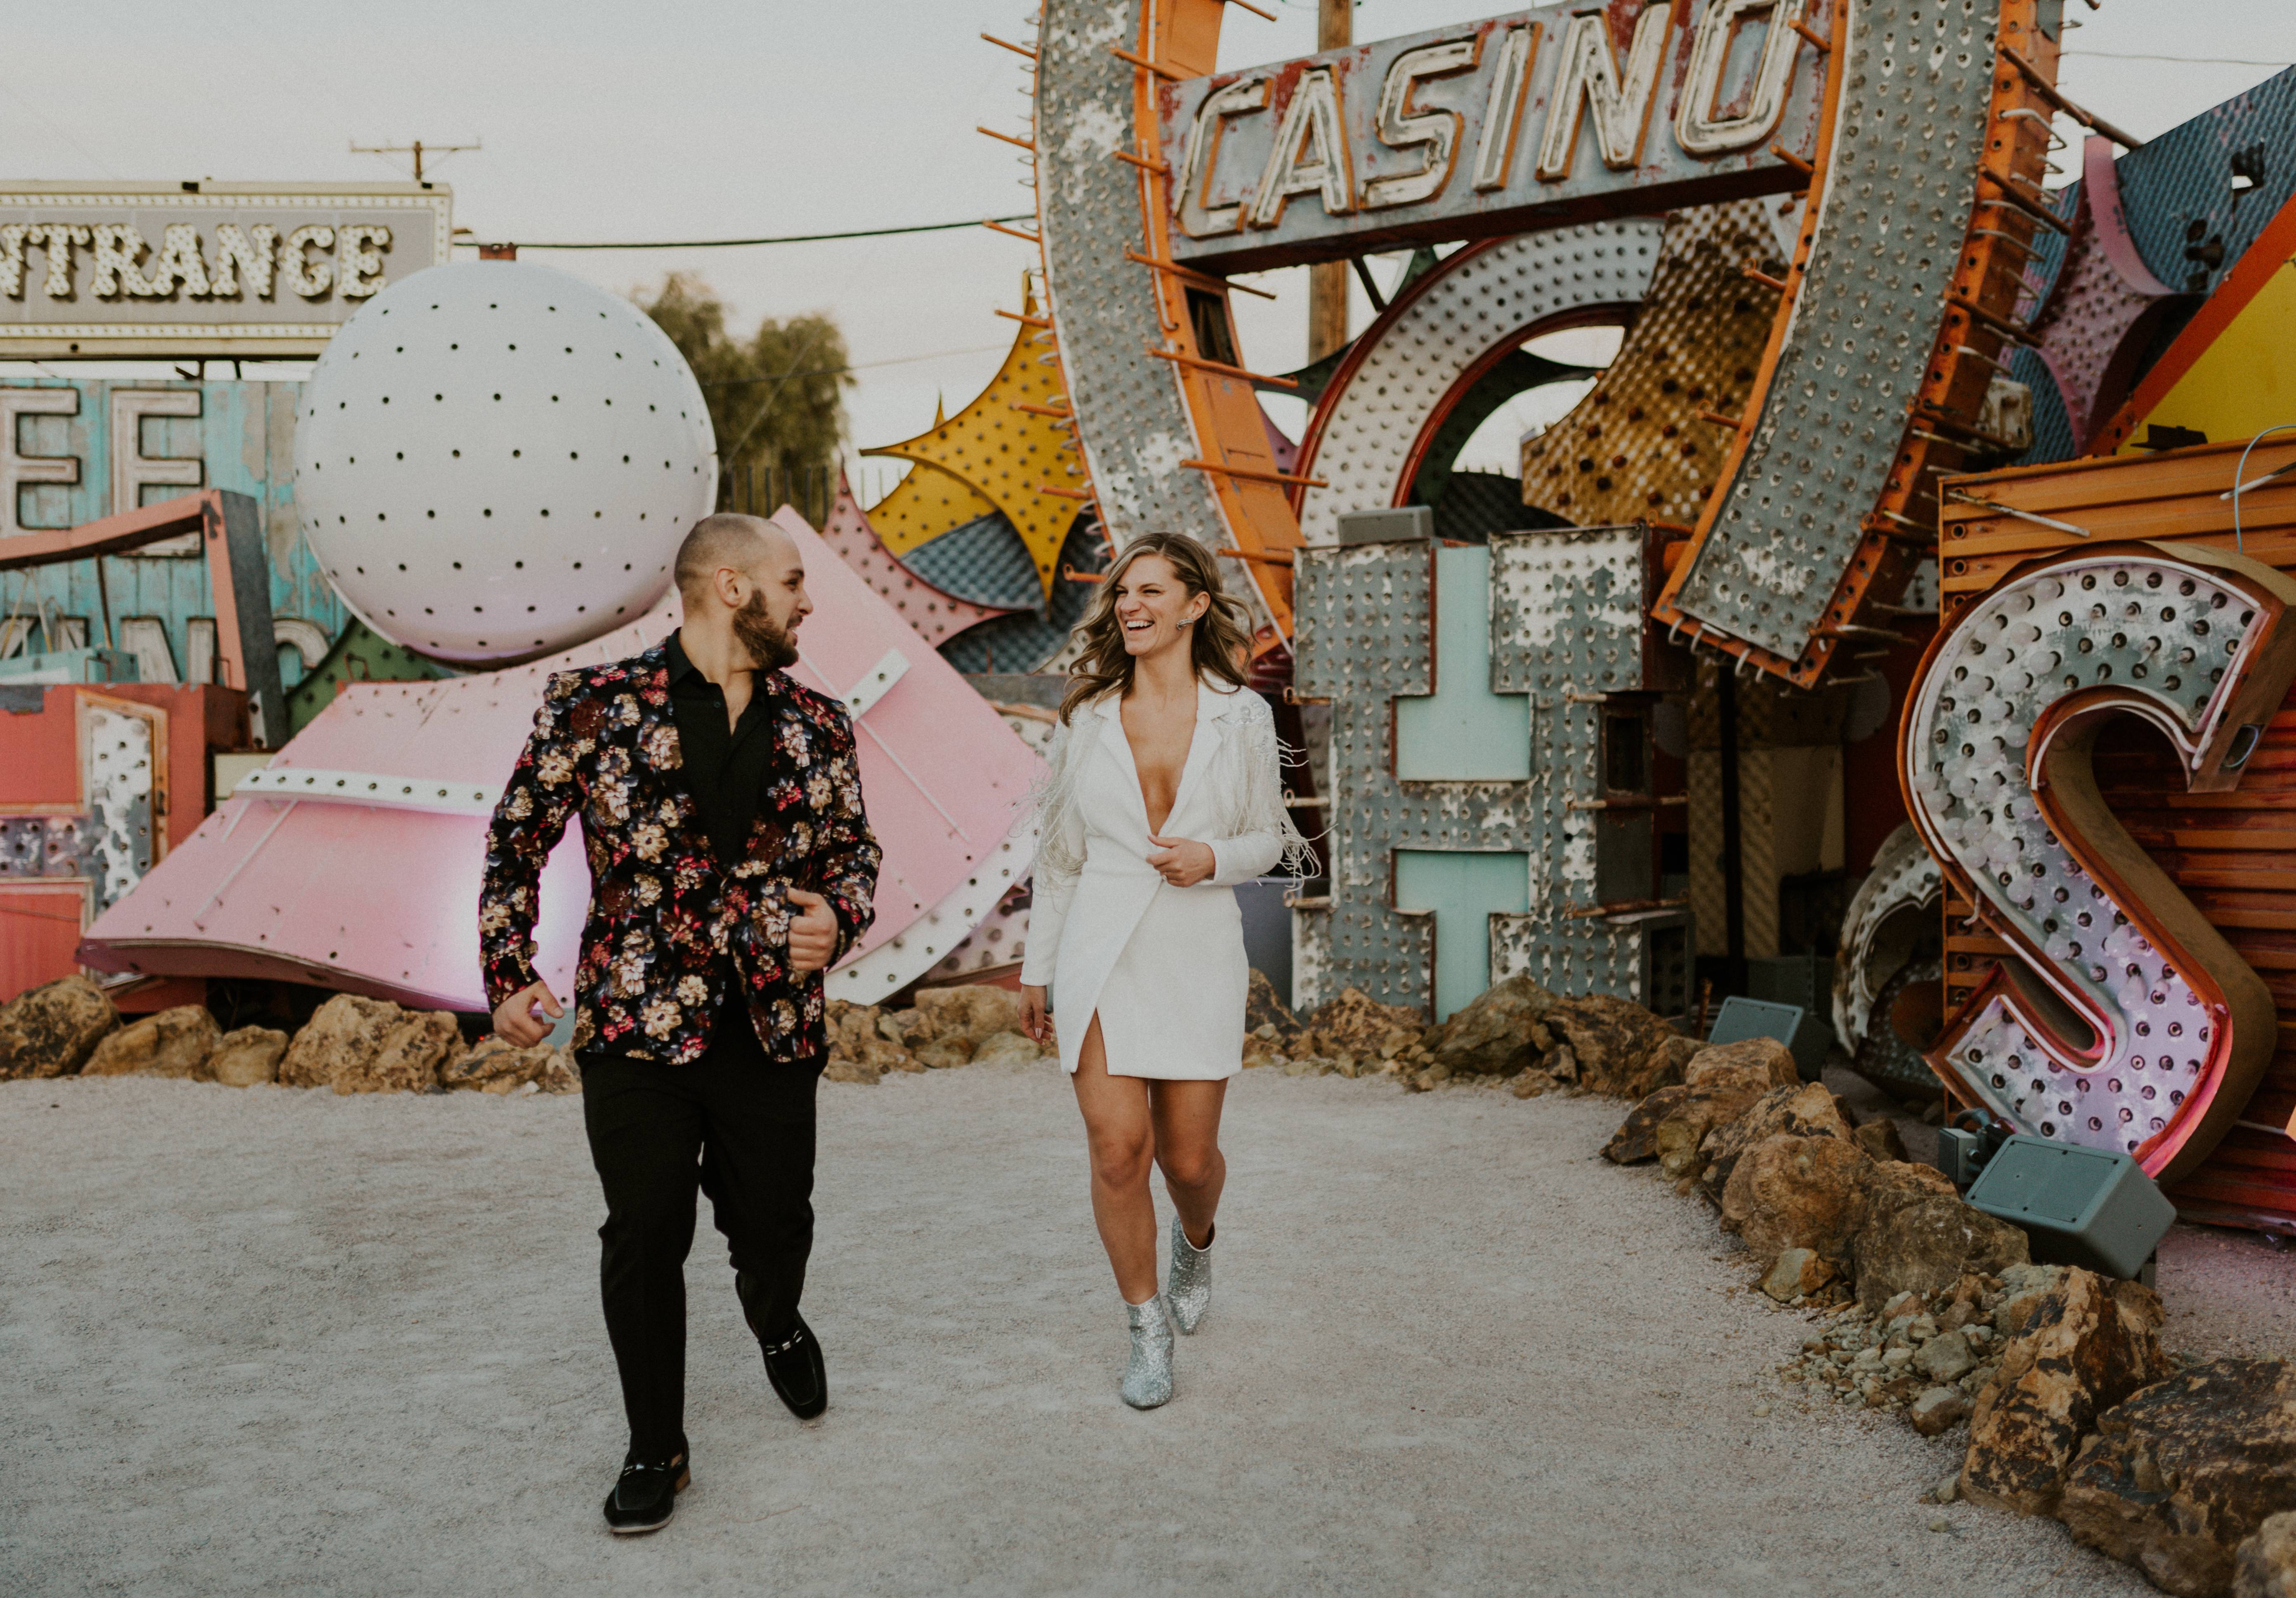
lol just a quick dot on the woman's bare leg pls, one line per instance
(1121, 1136)
(1186, 1118)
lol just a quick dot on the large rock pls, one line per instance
(347, 1028)
(1357, 1025)
(866, 1042)
(2090, 1344)
(51, 1030)
(410, 1057)
(1611, 1038)
(1921, 1238)
(2179, 1475)
(1796, 1109)
(1263, 1007)
(497, 1066)
(248, 1056)
(356, 1045)
(2025, 1289)
(2266, 1565)
(1637, 1139)
(1682, 1134)
(1771, 1063)
(1880, 1138)
(1664, 1065)
(1007, 1048)
(1798, 1192)
(168, 1042)
(968, 1015)
(1493, 1036)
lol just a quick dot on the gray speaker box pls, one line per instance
(2094, 1208)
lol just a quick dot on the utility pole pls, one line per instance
(1327, 281)
(417, 149)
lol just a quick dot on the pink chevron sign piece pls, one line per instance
(353, 860)
(936, 615)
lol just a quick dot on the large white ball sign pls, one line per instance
(496, 460)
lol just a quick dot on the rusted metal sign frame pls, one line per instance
(1543, 117)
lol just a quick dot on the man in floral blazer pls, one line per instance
(731, 863)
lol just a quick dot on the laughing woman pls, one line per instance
(1164, 793)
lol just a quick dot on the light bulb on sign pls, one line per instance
(495, 459)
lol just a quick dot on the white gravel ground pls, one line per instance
(282, 1342)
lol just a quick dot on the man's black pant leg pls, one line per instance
(646, 1127)
(741, 1127)
(757, 1166)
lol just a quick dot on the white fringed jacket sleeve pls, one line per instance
(1262, 833)
(1059, 858)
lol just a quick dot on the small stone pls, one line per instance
(1939, 1410)
(1761, 1410)
(1798, 1272)
(2265, 1566)
(1896, 1358)
(1945, 1357)
(1940, 1524)
(1948, 1489)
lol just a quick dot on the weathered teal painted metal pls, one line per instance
(1463, 890)
(242, 437)
(1462, 733)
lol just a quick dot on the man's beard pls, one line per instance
(770, 646)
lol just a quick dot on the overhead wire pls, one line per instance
(795, 238)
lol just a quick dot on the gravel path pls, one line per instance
(282, 1342)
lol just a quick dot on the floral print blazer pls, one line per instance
(662, 909)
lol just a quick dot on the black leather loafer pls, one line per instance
(646, 1495)
(794, 1361)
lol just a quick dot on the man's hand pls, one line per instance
(516, 1021)
(1181, 861)
(812, 936)
(1033, 1025)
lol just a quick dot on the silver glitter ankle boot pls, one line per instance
(1148, 1376)
(1190, 1292)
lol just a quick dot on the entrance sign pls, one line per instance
(206, 269)
(1553, 115)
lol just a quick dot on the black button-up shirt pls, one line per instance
(725, 766)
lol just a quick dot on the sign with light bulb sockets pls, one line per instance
(212, 269)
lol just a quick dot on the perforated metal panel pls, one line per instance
(1639, 445)
(1480, 300)
(1134, 425)
(1566, 626)
(1900, 189)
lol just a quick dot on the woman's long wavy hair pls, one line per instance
(1221, 644)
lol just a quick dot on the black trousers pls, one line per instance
(734, 1124)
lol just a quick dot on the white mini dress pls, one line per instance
(1164, 967)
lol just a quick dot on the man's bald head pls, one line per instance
(722, 540)
(741, 582)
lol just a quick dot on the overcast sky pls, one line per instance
(703, 118)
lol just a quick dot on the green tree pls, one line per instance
(776, 399)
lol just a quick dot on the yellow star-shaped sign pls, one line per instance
(1010, 448)
(924, 505)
